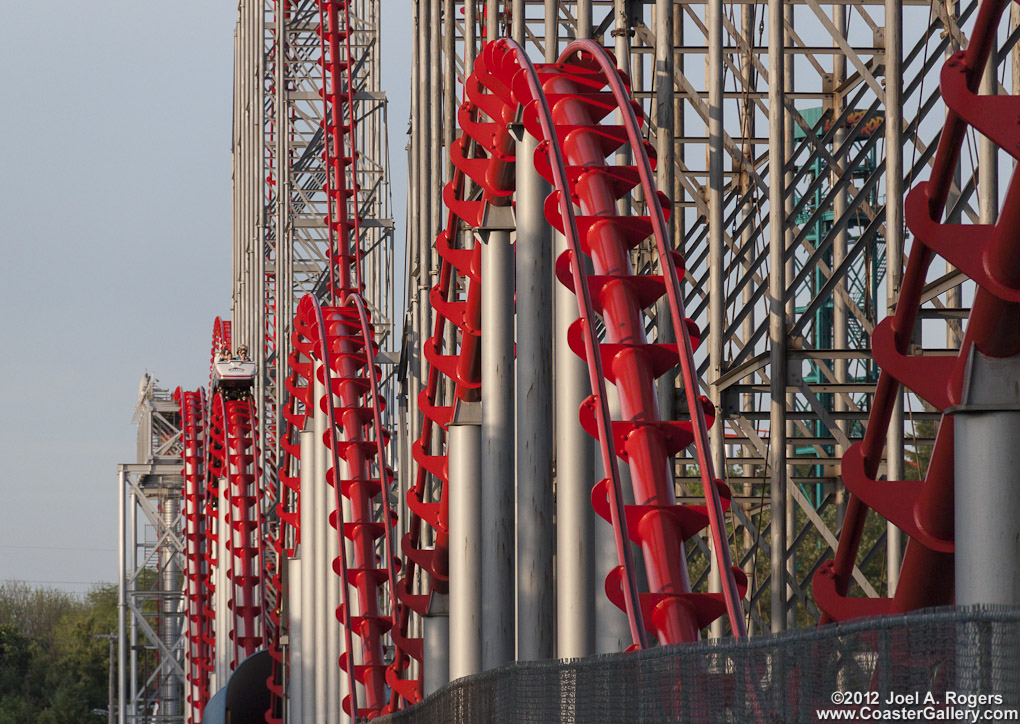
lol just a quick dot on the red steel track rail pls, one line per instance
(244, 521)
(990, 255)
(337, 344)
(197, 583)
(562, 105)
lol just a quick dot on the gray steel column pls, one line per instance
(122, 643)
(320, 563)
(536, 533)
(450, 96)
(988, 165)
(1014, 23)
(987, 467)
(133, 622)
(552, 25)
(436, 643)
(436, 156)
(470, 38)
(791, 310)
(498, 448)
(665, 172)
(284, 241)
(466, 536)
(424, 189)
(576, 580)
(584, 26)
(517, 21)
(716, 263)
(491, 20)
(304, 638)
(894, 250)
(777, 313)
(297, 665)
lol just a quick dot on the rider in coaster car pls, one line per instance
(223, 355)
(242, 353)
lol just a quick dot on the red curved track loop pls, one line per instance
(990, 255)
(337, 344)
(197, 590)
(562, 105)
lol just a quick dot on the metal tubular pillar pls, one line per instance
(894, 250)
(666, 168)
(584, 26)
(987, 479)
(423, 192)
(295, 688)
(552, 45)
(535, 528)
(717, 269)
(470, 40)
(321, 565)
(436, 652)
(466, 535)
(576, 581)
(491, 20)
(498, 448)
(988, 166)
(306, 637)
(777, 312)
(122, 642)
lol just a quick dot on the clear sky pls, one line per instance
(115, 232)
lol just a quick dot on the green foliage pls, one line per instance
(53, 669)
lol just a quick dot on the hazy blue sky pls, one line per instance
(115, 227)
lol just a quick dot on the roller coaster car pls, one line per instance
(233, 377)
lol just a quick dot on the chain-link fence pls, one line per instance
(926, 666)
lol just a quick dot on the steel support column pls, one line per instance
(894, 250)
(466, 536)
(534, 490)
(717, 269)
(777, 311)
(498, 448)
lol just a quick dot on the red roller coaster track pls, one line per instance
(198, 584)
(562, 105)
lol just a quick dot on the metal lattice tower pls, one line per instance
(151, 588)
(279, 204)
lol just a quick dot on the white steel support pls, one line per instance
(466, 536)
(987, 479)
(717, 296)
(498, 447)
(122, 584)
(304, 637)
(576, 580)
(894, 253)
(535, 594)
